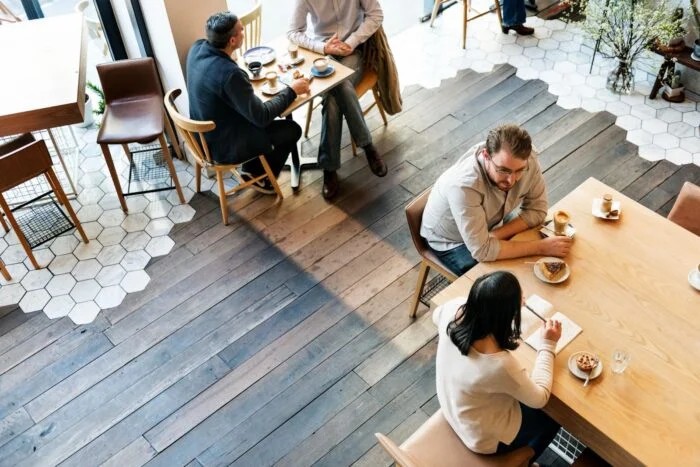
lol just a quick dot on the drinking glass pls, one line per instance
(620, 361)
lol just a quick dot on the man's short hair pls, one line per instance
(220, 28)
(512, 138)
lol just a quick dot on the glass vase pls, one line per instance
(621, 78)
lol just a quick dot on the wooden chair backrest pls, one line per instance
(191, 130)
(252, 27)
(6, 15)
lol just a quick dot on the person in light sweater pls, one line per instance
(484, 391)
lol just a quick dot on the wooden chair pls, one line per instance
(5, 273)
(465, 16)
(435, 444)
(7, 16)
(134, 113)
(193, 134)
(94, 26)
(252, 27)
(24, 159)
(686, 209)
(414, 216)
(367, 83)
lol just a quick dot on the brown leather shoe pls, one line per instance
(375, 161)
(519, 29)
(331, 184)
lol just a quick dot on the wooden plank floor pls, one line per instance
(284, 337)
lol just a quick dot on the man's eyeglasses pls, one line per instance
(507, 172)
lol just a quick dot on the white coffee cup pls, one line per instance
(321, 64)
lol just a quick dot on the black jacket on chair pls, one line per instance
(220, 90)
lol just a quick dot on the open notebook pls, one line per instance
(531, 324)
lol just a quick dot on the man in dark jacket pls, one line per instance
(220, 90)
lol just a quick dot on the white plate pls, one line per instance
(694, 279)
(596, 211)
(573, 368)
(287, 60)
(548, 230)
(540, 276)
(266, 89)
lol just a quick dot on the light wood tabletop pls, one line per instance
(628, 289)
(43, 77)
(318, 85)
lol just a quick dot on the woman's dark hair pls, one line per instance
(220, 28)
(493, 307)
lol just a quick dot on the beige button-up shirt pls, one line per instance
(353, 20)
(465, 205)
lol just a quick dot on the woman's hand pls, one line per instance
(551, 330)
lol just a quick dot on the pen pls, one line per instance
(536, 314)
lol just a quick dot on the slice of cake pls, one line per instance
(586, 361)
(552, 270)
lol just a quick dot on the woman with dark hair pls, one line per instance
(484, 391)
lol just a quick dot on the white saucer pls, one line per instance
(694, 57)
(573, 368)
(289, 62)
(694, 279)
(597, 212)
(255, 78)
(548, 230)
(266, 89)
(540, 276)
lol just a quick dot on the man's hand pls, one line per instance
(558, 246)
(300, 86)
(335, 46)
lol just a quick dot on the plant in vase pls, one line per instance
(695, 9)
(673, 87)
(625, 29)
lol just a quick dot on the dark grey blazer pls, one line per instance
(220, 90)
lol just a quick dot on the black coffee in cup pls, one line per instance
(255, 68)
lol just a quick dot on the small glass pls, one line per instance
(620, 361)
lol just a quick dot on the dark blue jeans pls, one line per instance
(513, 12)
(458, 260)
(537, 430)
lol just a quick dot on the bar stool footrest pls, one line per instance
(42, 221)
(148, 171)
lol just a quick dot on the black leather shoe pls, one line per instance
(375, 161)
(520, 29)
(331, 184)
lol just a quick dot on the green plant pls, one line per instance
(626, 28)
(695, 8)
(100, 109)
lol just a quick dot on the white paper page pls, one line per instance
(569, 331)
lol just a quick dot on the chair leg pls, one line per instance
(222, 196)
(20, 235)
(198, 177)
(309, 111)
(171, 166)
(465, 19)
(53, 188)
(127, 151)
(436, 8)
(5, 273)
(499, 13)
(380, 107)
(3, 223)
(422, 276)
(271, 176)
(172, 136)
(60, 194)
(354, 147)
(113, 173)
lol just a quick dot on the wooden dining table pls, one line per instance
(43, 75)
(318, 87)
(629, 290)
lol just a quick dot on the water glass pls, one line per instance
(620, 360)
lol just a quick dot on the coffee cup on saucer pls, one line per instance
(321, 64)
(271, 77)
(255, 68)
(293, 50)
(561, 221)
(606, 204)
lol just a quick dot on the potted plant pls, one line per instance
(695, 8)
(625, 29)
(673, 87)
(677, 32)
(100, 103)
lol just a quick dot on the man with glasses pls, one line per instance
(495, 191)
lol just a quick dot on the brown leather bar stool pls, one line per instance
(24, 159)
(134, 113)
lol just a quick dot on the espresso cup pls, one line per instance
(606, 205)
(293, 50)
(321, 64)
(255, 68)
(271, 77)
(561, 220)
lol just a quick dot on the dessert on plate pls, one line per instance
(586, 361)
(552, 270)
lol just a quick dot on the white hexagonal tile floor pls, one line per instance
(82, 279)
